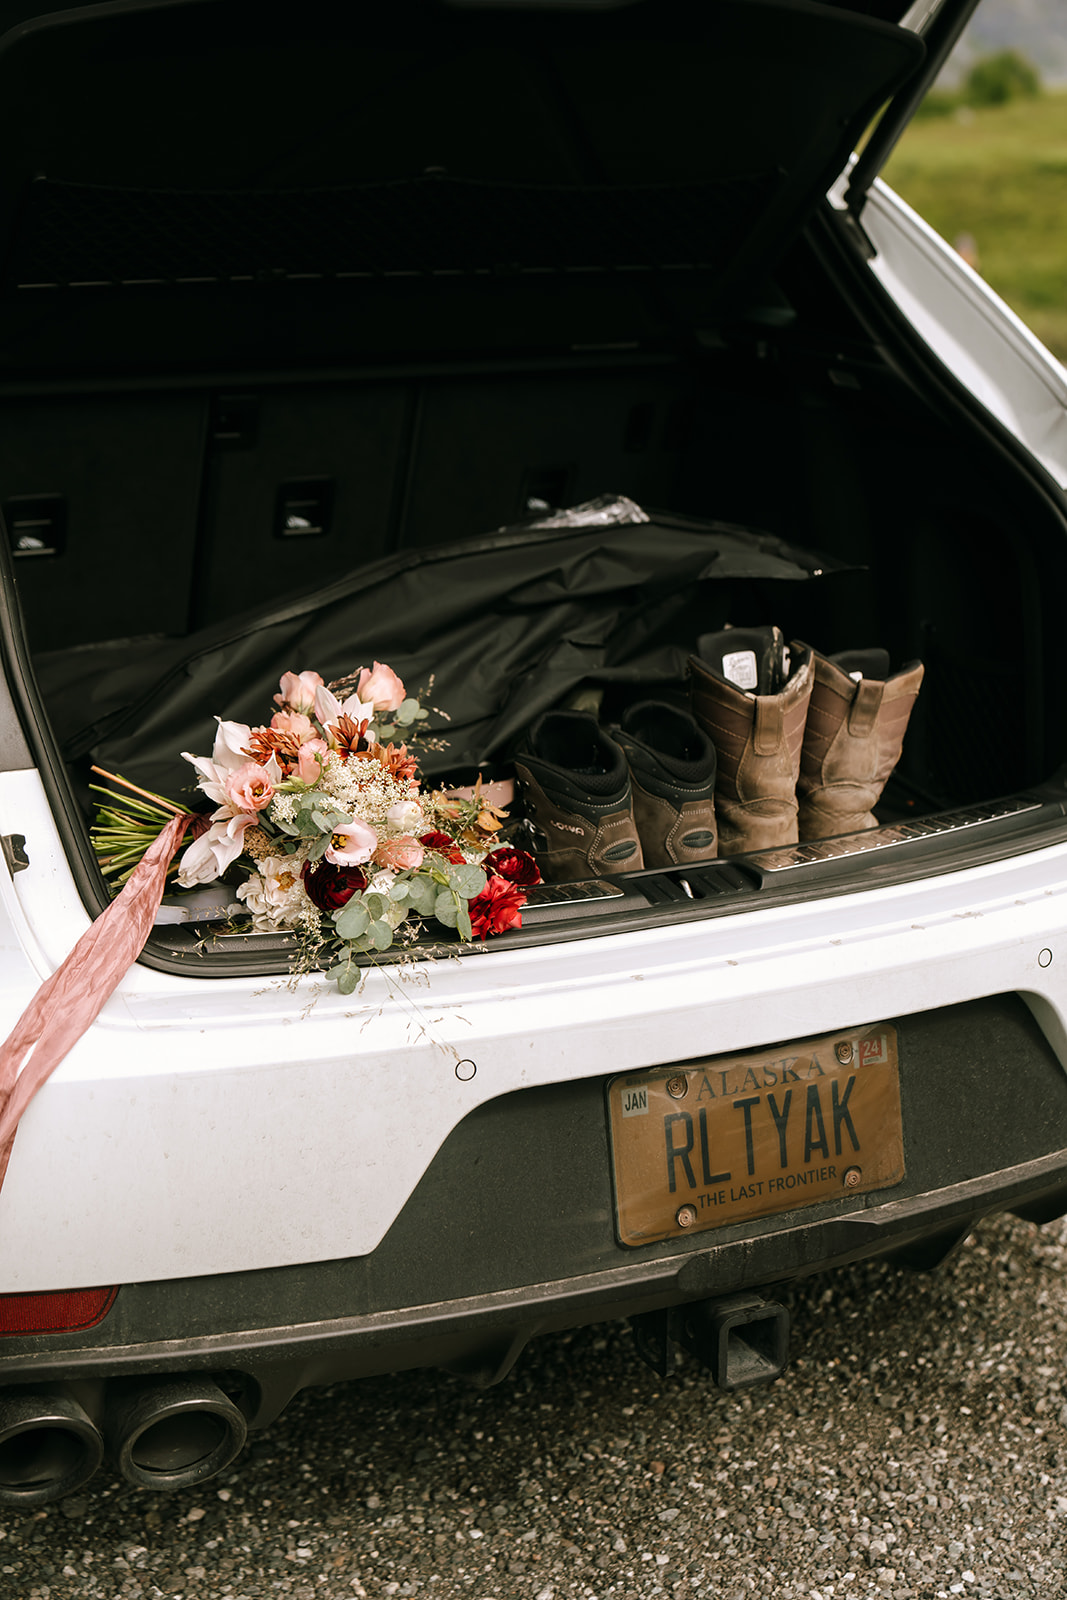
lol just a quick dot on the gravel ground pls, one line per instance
(916, 1447)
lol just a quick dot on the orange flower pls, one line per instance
(393, 757)
(349, 737)
(281, 742)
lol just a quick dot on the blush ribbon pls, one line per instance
(69, 1002)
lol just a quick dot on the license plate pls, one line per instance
(728, 1138)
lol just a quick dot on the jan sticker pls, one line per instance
(635, 1102)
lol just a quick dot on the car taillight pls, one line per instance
(68, 1311)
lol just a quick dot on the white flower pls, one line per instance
(406, 817)
(231, 743)
(394, 911)
(208, 857)
(328, 708)
(275, 894)
(282, 808)
(230, 753)
(363, 788)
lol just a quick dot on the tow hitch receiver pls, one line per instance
(741, 1338)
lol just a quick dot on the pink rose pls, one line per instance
(403, 854)
(309, 760)
(351, 845)
(295, 722)
(380, 687)
(249, 788)
(298, 691)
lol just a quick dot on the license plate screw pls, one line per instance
(678, 1088)
(852, 1177)
(843, 1051)
(685, 1216)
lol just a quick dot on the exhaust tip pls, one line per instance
(48, 1448)
(173, 1434)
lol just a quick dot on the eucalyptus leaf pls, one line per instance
(467, 880)
(352, 919)
(422, 895)
(401, 889)
(375, 904)
(463, 920)
(318, 847)
(381, 935)
(446, 908)
(348, 977)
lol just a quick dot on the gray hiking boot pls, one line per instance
(672, 770)
(576, 787)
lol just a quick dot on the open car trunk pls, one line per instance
(311, 377)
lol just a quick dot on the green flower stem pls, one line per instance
(126, 827)
(157, 802)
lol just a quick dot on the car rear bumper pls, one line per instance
(204, 1128)
(510, 1233)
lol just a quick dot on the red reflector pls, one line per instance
(69, 1311)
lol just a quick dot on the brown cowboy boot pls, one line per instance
(750, 696)
(672, 770)
(856, 724)
(576, 789)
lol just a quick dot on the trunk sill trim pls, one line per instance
(851, 844)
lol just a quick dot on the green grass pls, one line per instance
(999, 174)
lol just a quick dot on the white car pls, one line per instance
(293, 312)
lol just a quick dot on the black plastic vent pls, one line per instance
(78, 235)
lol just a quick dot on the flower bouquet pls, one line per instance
(323, 813)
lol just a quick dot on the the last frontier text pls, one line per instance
(807, 1124)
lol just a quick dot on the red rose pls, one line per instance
(514, 865)
(444, 846)
(497, 908)
(329, 887)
